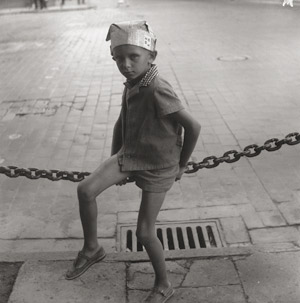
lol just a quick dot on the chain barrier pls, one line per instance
(230, 156)
(249, 151)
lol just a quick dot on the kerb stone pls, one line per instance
(44, 282)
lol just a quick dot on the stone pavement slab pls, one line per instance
(44, 282)
(211, 272)
(260, 275)
(275, 235)
(212, 294)
(194, 280)
(271, 277)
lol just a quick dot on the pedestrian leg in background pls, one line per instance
(81, 1)
(288, 2)
(123, 3)
(62, 3)
(43, 4)
(35, 2)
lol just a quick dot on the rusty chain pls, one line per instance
(230, 156)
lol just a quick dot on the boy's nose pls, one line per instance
(126, 62)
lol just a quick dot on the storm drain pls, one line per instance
(174, 236)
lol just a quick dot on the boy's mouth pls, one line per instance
(128, 74)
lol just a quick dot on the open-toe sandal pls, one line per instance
(75, 272)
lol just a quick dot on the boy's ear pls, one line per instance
(153, 55)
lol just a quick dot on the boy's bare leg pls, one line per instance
(149, 209)
(106, 175)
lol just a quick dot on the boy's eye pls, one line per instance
(134, 57)
(116, 58)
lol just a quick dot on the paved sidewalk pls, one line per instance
(234, 65)
(257, 274)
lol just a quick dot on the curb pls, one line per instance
(205, 253)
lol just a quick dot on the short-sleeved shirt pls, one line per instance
(150, 138)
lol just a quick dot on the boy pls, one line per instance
(147, 146)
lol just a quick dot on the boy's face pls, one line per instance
(132, 61)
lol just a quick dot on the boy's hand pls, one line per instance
(181, 172)
(123, 182)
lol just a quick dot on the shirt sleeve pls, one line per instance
(166, 100)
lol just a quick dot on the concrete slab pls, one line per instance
(215, 294)
(235, 230)
(44, 282)
(40, 246)
(291, 211)
(275, 235)
(140, 276)
(211, 272)
(271, 278)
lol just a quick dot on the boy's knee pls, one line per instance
(83, 192)
(144, 236)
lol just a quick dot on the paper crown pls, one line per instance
(136, 33)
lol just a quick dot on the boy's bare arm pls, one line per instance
(191, 134)
(117, 137)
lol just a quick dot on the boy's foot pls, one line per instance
(160, 296)
(87, 262)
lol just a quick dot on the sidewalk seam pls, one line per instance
(240, 279)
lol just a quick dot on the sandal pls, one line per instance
(75, 272)
(160, 296)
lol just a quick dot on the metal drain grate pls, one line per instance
(174, 236)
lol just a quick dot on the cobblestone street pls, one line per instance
(234, 64)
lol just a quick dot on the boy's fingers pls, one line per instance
(122, 182)
(126, 180)
(178, 177)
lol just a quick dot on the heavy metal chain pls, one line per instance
(249, 151)
(230, 156)
(35, 173)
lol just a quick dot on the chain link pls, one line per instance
(34, 173)
(249, 151)
(230, 156)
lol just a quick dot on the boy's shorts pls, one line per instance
(158, 180)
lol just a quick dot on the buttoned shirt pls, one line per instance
(151, 139)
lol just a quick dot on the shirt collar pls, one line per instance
(145, 80)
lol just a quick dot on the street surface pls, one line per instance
(235, 66)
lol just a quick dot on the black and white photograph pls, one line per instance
(149, 151)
